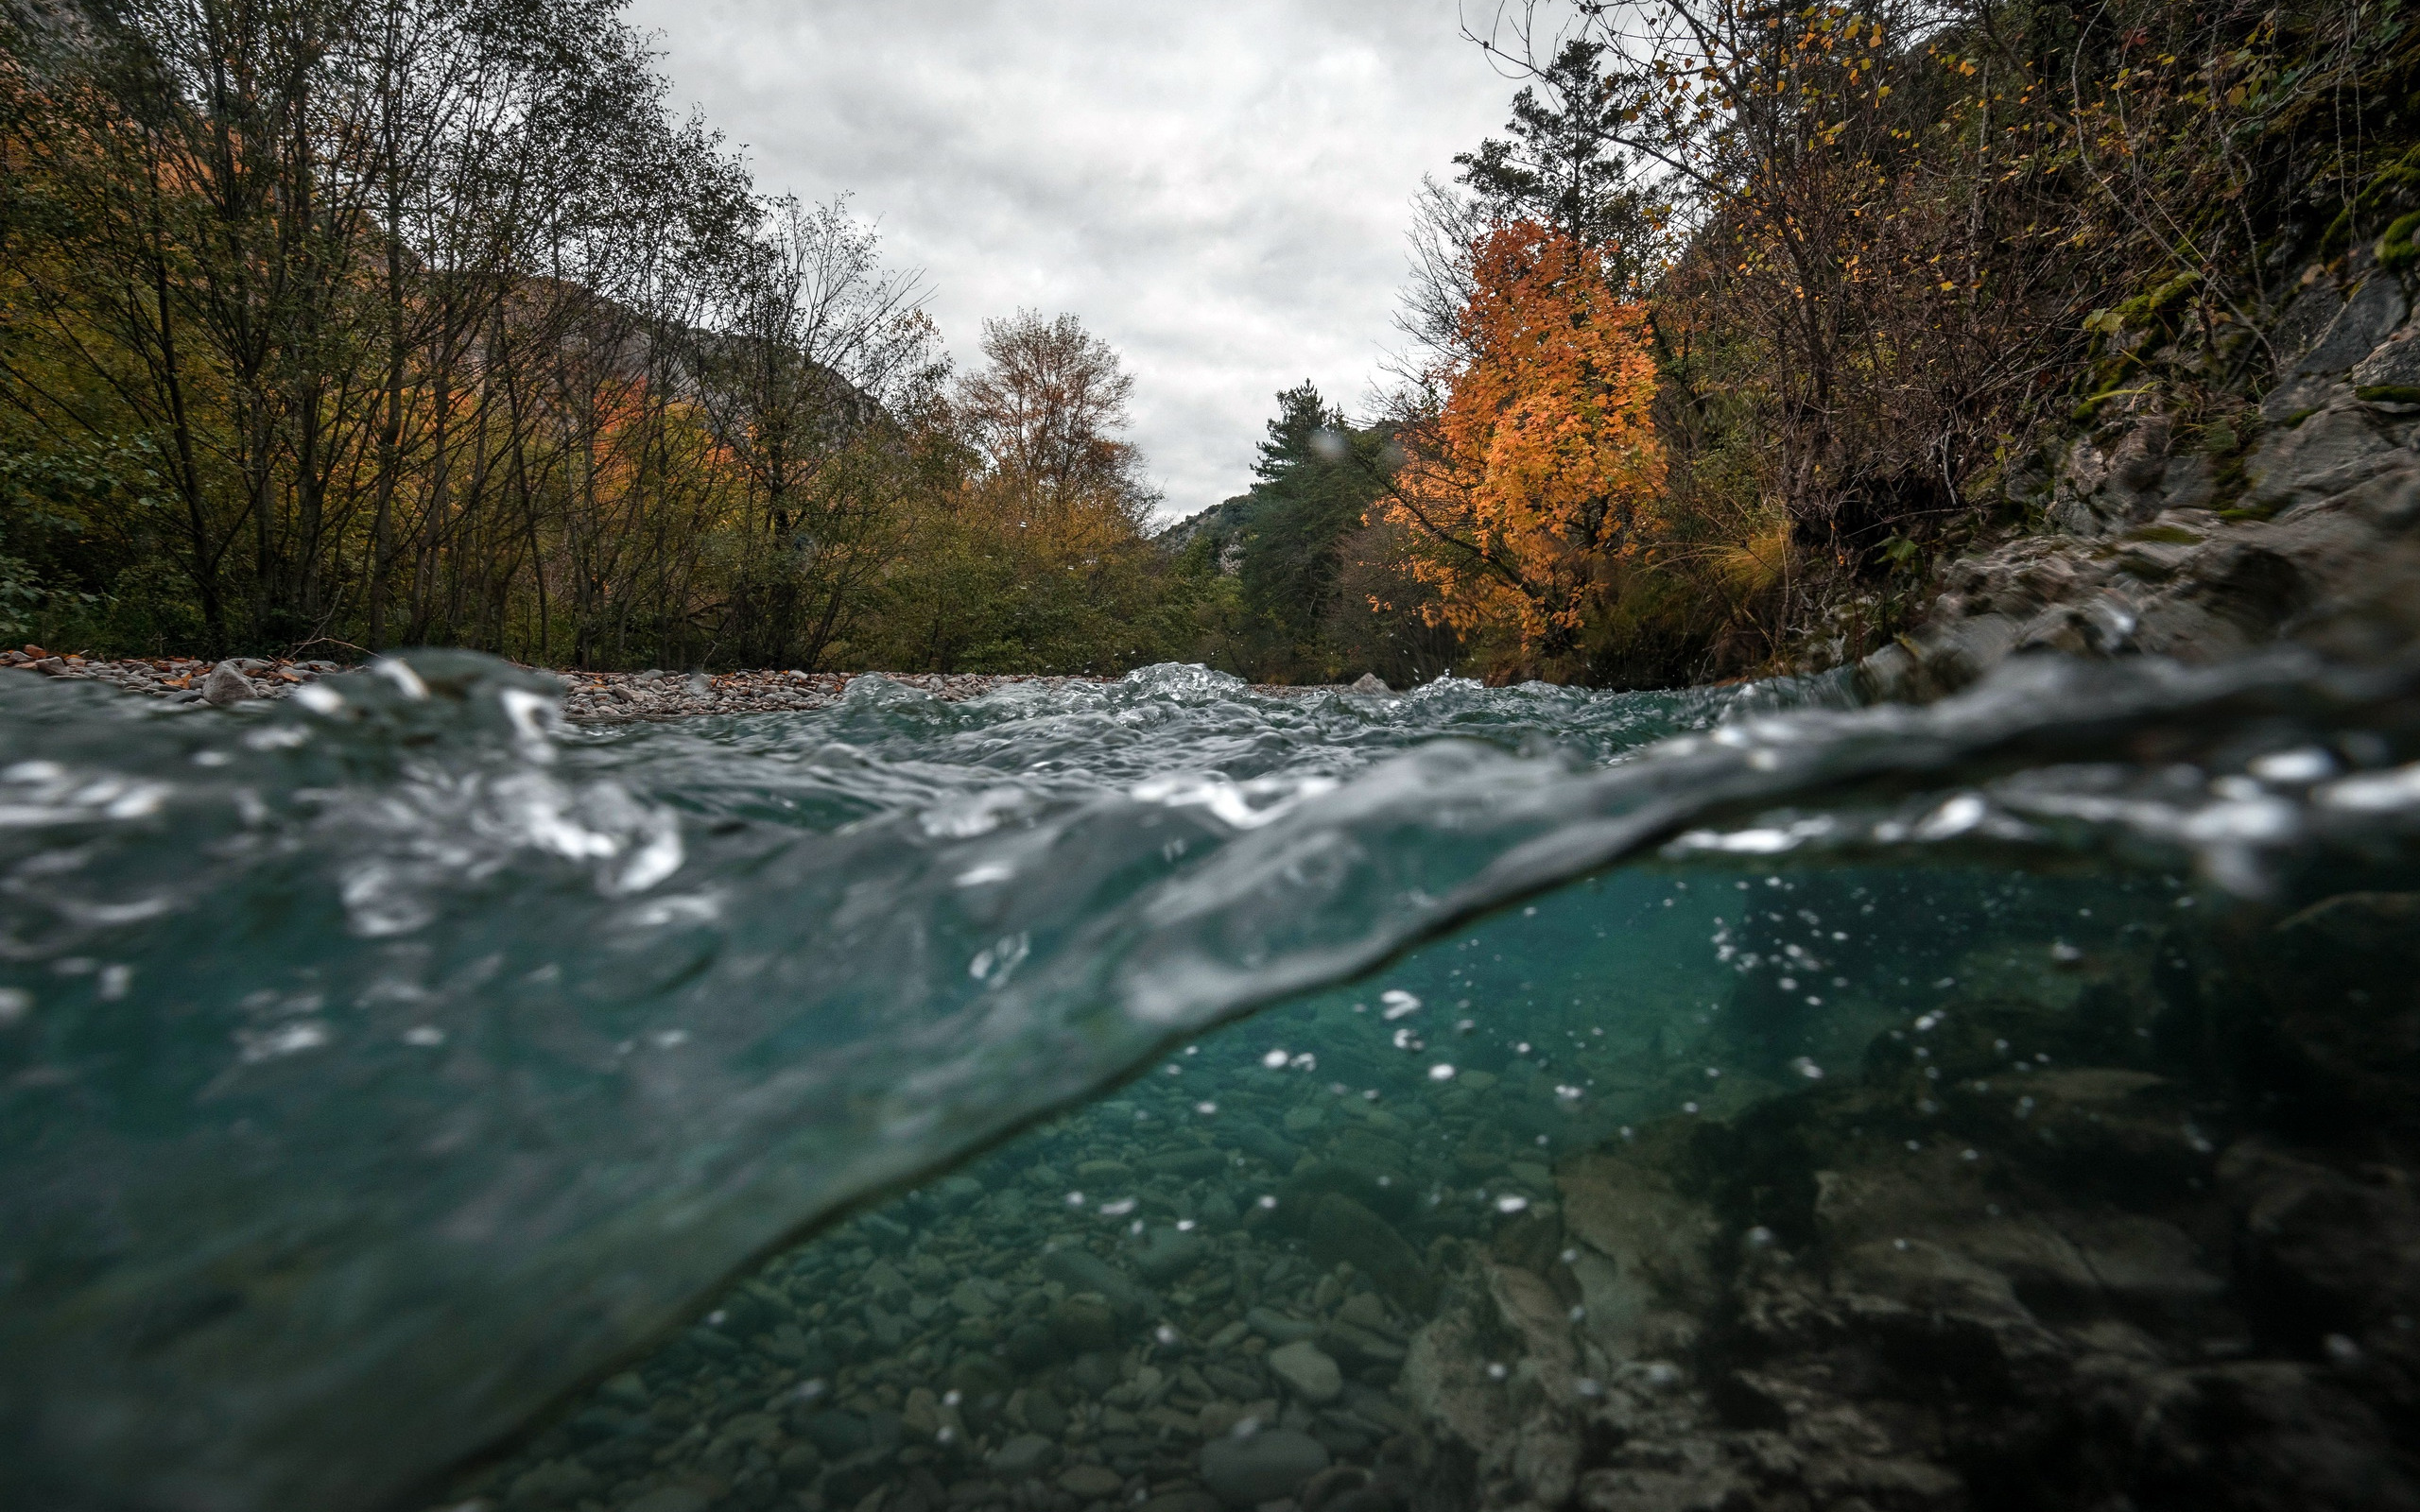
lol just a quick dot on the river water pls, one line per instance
(1162, 1094)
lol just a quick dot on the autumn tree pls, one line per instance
(1541, 466)
(1035, 556)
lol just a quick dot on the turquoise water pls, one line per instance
(409, 1102)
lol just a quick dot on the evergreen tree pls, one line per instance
(1563, 167)
(1318, 478)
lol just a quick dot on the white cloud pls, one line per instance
(1219, 191)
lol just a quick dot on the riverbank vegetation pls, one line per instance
(414, 322)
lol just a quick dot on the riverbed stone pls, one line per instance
(1091, 1481)
(1024, 1457)
(1083, 1323)
(1081, 1270)
(1309, 1373)
(1168, 1254)
(1261, 1467)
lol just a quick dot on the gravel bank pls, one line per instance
(589, 697)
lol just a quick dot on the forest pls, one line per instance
(327, 328)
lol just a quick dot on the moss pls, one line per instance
(2402, 175)
(2395, 247)
(2387, 394)
(2220, 439)
(2160, 302)
(2166, 536)
(2248, 512)
(2297, 418)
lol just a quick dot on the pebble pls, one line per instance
(1312, 1375)
(1092, 1481)
(1023, 1457)
(1168, 1254)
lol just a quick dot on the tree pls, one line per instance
(1034, 556)
(1541, 466)
(1563, 167)
(816, 348)
(1317, 475)
(1048, 410)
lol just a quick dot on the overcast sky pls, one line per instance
(1220, 190)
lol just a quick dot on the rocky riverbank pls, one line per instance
(589, 697)
(2200, 527)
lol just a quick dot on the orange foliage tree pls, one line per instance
(1540, 469)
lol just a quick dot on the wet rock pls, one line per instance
(558, 1479)
(2331, 1256)
(1084, 1323)
(1261, 1467)
(837, 1434)
(1043, 1414)
(226, 685)
(1081, 1270)
(2340, 989)
(1642, 1261)
(670, 1499)
(1257, 1141)
(1090, 1482)
(1277, 1327)
(1165, 1254)
(1197, 1162)
(1379, 1189)
(1339, 1229)
(2262, 1434)
(1024, 1457)
(1308, 1372)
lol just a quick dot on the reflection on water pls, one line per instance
(1682, 1189)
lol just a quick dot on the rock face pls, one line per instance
(2299, 520)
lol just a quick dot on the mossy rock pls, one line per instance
(2388, 394)
(2166, 536)
(2395, 247)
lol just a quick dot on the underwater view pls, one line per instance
(1166, 1093)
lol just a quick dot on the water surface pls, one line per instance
(381, 1070)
